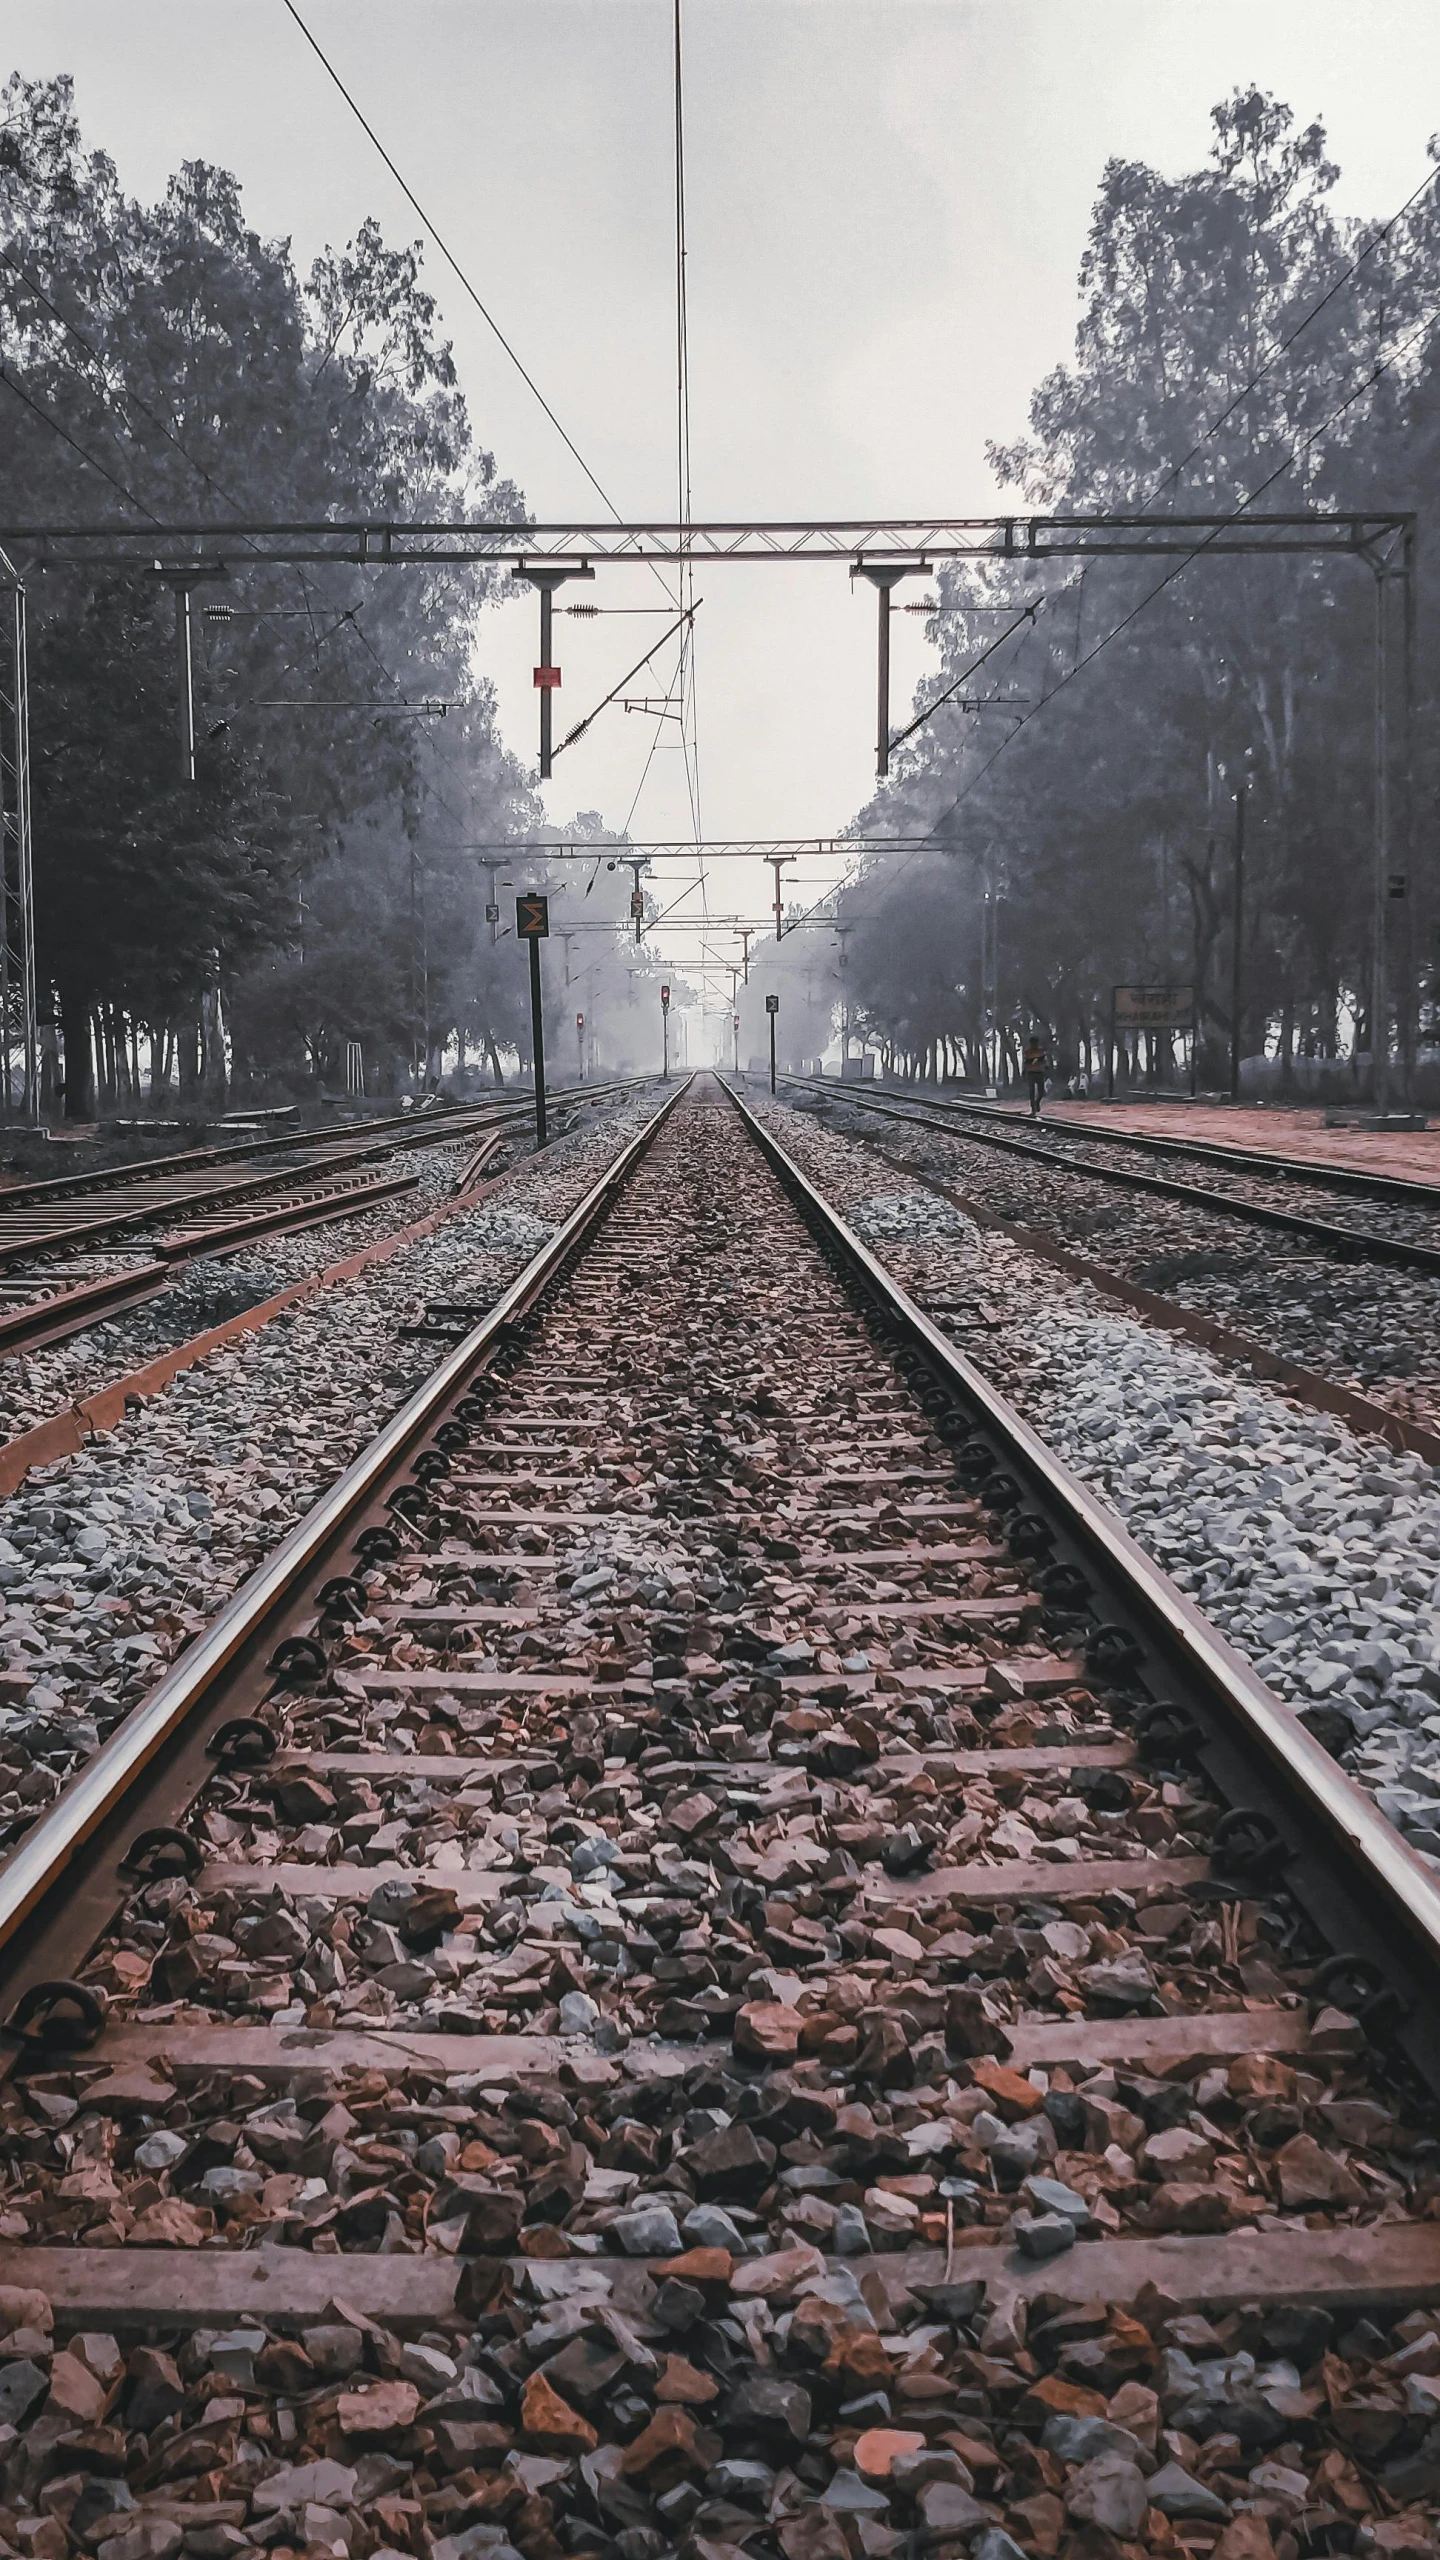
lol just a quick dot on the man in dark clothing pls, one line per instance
(1037, 1069)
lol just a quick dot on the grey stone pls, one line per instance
(1109, 2491)
(1176, 2493)
(650, 2232)
(708, 2226)
(849, 2495)
(1043, 2235)
(22, 2386)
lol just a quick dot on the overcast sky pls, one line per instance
(887, 205)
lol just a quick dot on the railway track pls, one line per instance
(1405, 1190)
(709, 1954)
(198, 1211)
(1345, 1241)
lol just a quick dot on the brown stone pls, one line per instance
(1179, 2205)
(699, 2266)
(880, 2447)
(549, 2424)
(1051, 2397)
(768, 2029)
(670, 2449)
(678, 2380)
(1009, 2092)
(172, 2224)
(859, 2359)
(75, 2395)
(1262, 2075)
(377, 2410)
(772, 2278)
(1246, 2537)
(1309, 2175)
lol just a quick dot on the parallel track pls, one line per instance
(707, 1373)
(1404, 1190)
(1350, 1244)
(199, 1214)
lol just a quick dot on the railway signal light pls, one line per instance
(665, 999)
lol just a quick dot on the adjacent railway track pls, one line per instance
(195, 1212)
(707, 1885)
(1347, 1243)
(1404, 1190)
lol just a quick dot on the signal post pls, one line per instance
(532, 925)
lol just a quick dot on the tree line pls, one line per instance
(165, 362)
(1241, 349)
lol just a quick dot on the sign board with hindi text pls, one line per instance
(1153, 1008)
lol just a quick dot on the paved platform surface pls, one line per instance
(1412, 1154)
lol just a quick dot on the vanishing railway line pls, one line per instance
(706, 1876)
(1255, 1193)
(218, 1200)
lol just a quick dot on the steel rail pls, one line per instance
(1354, 1244)
(1403, 1190)
(414, 1129)
(44, 1857)
(1394, 1887)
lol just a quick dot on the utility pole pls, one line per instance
(883, 576)
(492, 908)
(1385, 887)
(745, 932)
(637, 894)
(547, 674)
(840, 932)
(1237, 928)
(776, 862)
(181, 581)
(532, 925)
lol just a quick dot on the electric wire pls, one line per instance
(450, 258)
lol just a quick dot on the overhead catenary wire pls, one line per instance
(448, 254)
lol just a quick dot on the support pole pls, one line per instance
(537, 1044)
(17, 907)
(185, 683)
(1380, 970)
(1237, 932)
(775, 861)
(547, 674)
(883, 576)
(773, 1010)
(1409, 1026)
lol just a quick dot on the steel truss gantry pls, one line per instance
(19, 1027)
(1382, 539)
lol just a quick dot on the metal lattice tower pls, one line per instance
(18, 1023)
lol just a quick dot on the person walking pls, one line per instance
(1037, 1069)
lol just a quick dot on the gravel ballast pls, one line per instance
(1315, 1552)
(1364, 1325)
(112, 1559)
